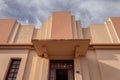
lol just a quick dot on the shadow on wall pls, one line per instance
(108, 54)
(102, 65)
(109, 64)
(109, 72)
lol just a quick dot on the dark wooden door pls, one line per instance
(61, 70)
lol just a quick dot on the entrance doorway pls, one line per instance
(61, 70)
(61, 74)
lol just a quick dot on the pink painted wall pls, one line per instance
(61, 25)
(116, 23)
(6, 26)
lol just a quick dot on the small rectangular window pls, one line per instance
(13, 69)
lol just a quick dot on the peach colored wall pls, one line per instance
(44, 30)
(39, 69)
(35, 71)
(84, 68)
(99, 65)
(74, 28)
(79, 30)
(86, 33)
(116, 23)
(112, 31)
(93, 65)
(61, 25)
(77, 67)
(109, 63)
(49, 27)
(14, 33)
(45, 69)
(37, 34)
(6, 26)
(100, 34)
(30, 58)
(6, 56)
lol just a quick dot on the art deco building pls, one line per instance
(60, 50)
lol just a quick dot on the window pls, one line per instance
(13, 69)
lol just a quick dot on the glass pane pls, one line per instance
(18, 62)
(15, 75)
(16, 70)
(9, 78)
(13, 66)
(12, 70)
(11, 75)
(17, 66)
(14, 79)
(14, 62)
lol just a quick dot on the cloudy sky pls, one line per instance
(37, 11)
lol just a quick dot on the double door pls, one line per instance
(61, 70)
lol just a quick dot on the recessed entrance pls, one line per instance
(61, 74)
(61, 70)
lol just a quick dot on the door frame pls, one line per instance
(71, 68)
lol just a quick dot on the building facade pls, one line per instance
(60, 50)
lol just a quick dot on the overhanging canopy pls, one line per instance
(61, 49)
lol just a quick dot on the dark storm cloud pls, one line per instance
(37, 11)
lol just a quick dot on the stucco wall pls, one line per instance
(74, 28)
(13, 33)
(24, 34)
(61, 26)
(116, 23)
(86, 33)
(98, 65)
(29, 62)
(77, 67)
(109, 63)
(100, 34)
(6, 26)
(6, 56)
(79, 30)
(39, 69)
(112, 32)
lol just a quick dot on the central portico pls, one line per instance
(62, 48)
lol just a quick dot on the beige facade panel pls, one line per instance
(39, 69)
(44, 29)
(74, 28)
(84, 68)
(24, 35)
(5, 58)
(49, 27)
(45, 69)
(112, 31)
(36, 34)
(79, 30)
(77, 67)
(100, 34)
(94, 69)
(35, 69)
(109, 62)
(28, 68)
(13, 33)
(86, 33)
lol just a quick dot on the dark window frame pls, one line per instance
(13, 69)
